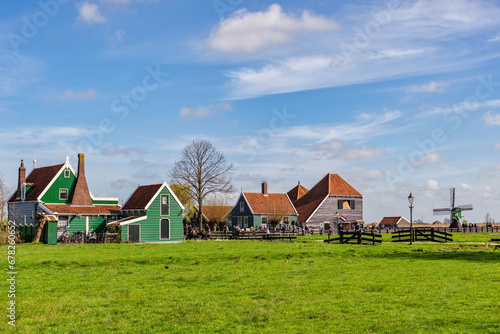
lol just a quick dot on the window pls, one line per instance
(239, 221)
(346, 204)
(242, 206)
(63, 194)
(164, 229)
(245, 222)
(165, 199)
(67, 173)
(23, 191)
(62, 221)
(264, 220)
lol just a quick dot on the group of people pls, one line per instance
(192, 233)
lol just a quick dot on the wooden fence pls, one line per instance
(472, 229)
(254, 235)
(355, 237)
(422, 234)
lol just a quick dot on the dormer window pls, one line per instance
(67, 173)
(63, 194)
(23, 191)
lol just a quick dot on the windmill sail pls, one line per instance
(452, 197)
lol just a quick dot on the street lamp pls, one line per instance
(410, 201)
(337, 214)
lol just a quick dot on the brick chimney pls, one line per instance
(264, 188)
(81, 195)
(21, 178)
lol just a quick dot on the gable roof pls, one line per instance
(61, 209)
(143, 196)
(297, 192)
(272, 203)
(390, 220)
(39, 179)
(330, 185)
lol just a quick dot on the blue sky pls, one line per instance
(396, 97)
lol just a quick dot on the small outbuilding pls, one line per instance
(394, 222)
(152, 214)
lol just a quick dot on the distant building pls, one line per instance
(63, 195)
(152, 214)
(256, 209)
(328, 201)
(394, 222)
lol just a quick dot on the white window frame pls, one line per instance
(23, 192)
(161, 205)
(242, 206)
(67, 194)
(67, 221)
(169, 229)
(67, 173)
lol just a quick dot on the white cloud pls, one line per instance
(204, 111)
(120, 34)
(123, 184)
(430, 159)
(430, 87)
(432, 184)
(16, 73)
(68, 94)
(338, 150)
(460, 107)
(117, 150)
(251, 32)
(90, 13)
(491, 120)
(497, 146)
(494, 39)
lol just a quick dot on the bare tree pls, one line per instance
(488, 219)
(41, 219)
(205, 170)
(4, 198)
(217, 211)
(278, 212)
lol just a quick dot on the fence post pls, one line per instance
(359, 237)
(329, 233)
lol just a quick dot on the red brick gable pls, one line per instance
(38, 179)
(141, 197)
(273, 202)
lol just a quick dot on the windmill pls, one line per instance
(454, 211)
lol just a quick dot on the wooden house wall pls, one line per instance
(22, 212)
(52, 194)
(327, 211)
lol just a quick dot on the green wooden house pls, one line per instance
(255, 209)
(152, 214)
(63, 195)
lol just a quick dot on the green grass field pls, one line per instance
(262, 287)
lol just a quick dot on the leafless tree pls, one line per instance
(205, 170)
(4, 198)
(278, 212)
(41, 219)
(488, 219)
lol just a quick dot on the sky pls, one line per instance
(394, 96)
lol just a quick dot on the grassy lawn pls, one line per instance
(262, 287)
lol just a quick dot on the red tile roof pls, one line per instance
(297, 192)
(141, 197)
(40, 179)
(332, 184)
(83, 210)
(389, 221)
(272, 203)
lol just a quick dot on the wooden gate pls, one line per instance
(422, 234)
(355, 237)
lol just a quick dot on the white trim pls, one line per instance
(131, 221)
(169, 225)
(106, 199)
(66, 165)
(159, 191)
(243, 194)
(320, 204)
(69, 173)
(168, 205)
(67, 194)
(293, 206)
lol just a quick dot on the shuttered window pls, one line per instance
(165, 199)
(62, 221)
(63, 194)
(164, 229)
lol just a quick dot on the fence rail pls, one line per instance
(355, 237)
(422, 234)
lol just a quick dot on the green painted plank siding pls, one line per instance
(52, 194)
(78, 224)
(104, 202)
(150, 227)
(236, 212)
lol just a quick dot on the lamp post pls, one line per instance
(410, 201)
(338, 227)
